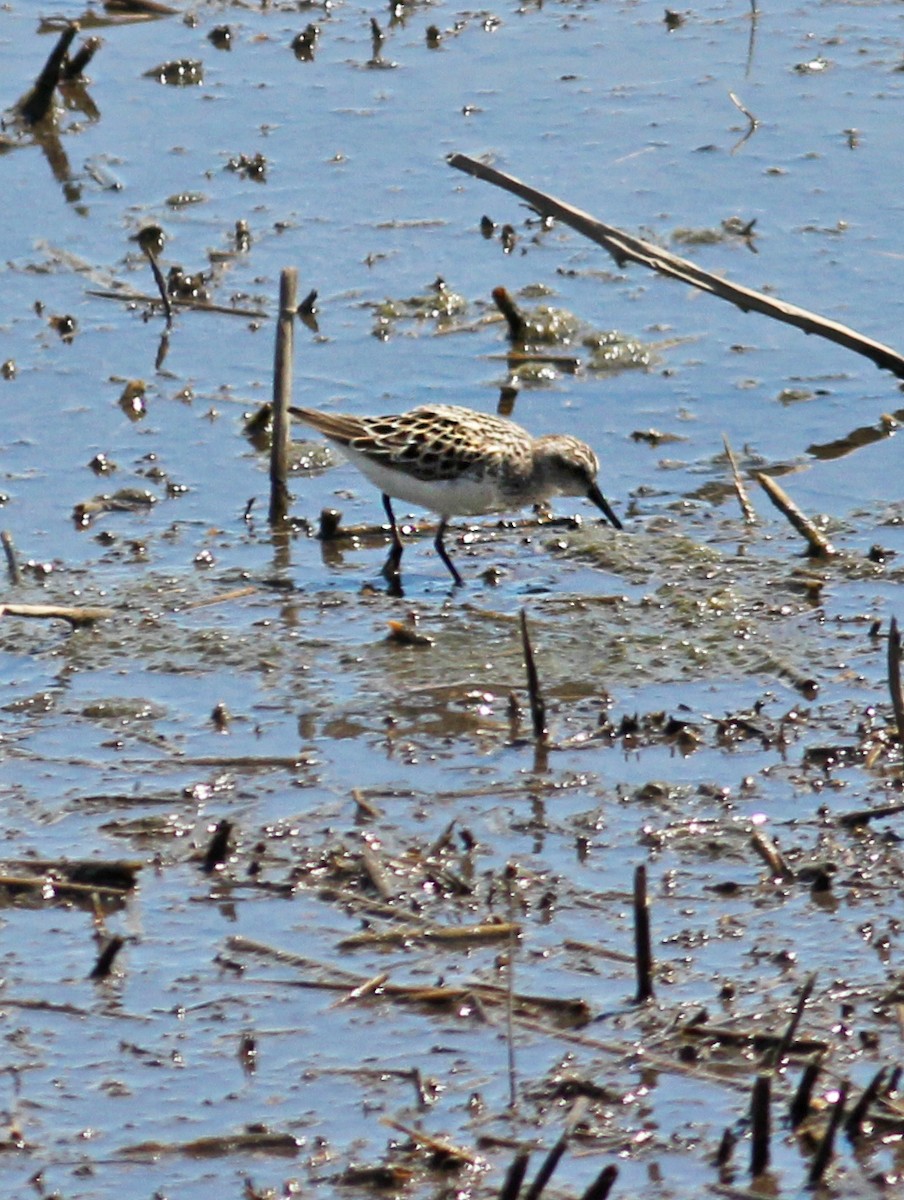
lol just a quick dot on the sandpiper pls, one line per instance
(457, 462)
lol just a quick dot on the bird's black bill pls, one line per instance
(602, 503)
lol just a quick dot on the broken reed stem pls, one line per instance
(819, 545)
(537, 704)
(506, 305)
(800, 1106)
(74, 67)
(784, 1045)
(547, 1167)
(740, 489)
(727, 1144)
(514, 1176)
(894, 676)
(853, 1125)
(283, 366)
(760, 1124)
(823, 1155)
(35, 104)
(104, 964)
(12, 562)
(643, 951)
(602, 1185)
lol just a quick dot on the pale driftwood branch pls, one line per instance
(625, 248)
(74, 615)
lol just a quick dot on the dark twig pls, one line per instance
(800, 1106)
(506, 305)
(150, 239)
(537, 704)
(727, 1143)
(104, 964)
(853, 1125)
(602, 1185)
(514, 1176)
(218, 847)
(894, 676)
(74, 67)
(781, 1050)
(643, 950)
(760, 1123)
(553, 1158)
(823, 1155)
(625, 248)
(547, 1168)
(282, 395)
(862, 816)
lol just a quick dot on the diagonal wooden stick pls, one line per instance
(625, 248)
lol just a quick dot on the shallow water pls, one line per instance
(766, 663)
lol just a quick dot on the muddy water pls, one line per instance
(703, 679)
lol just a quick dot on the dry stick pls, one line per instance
(823, 1155)
(643, 951)
(602, 1185)
(760, 1124)
(625, 248)
(740, 490)
(35, 104)
(12, 562)
(537, 704)
(894, 676)
(820, 546)
(65, 612)
(282, 394)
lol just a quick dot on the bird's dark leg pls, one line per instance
(444, 555)
(391, 570)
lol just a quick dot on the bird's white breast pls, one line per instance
(464, 497)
